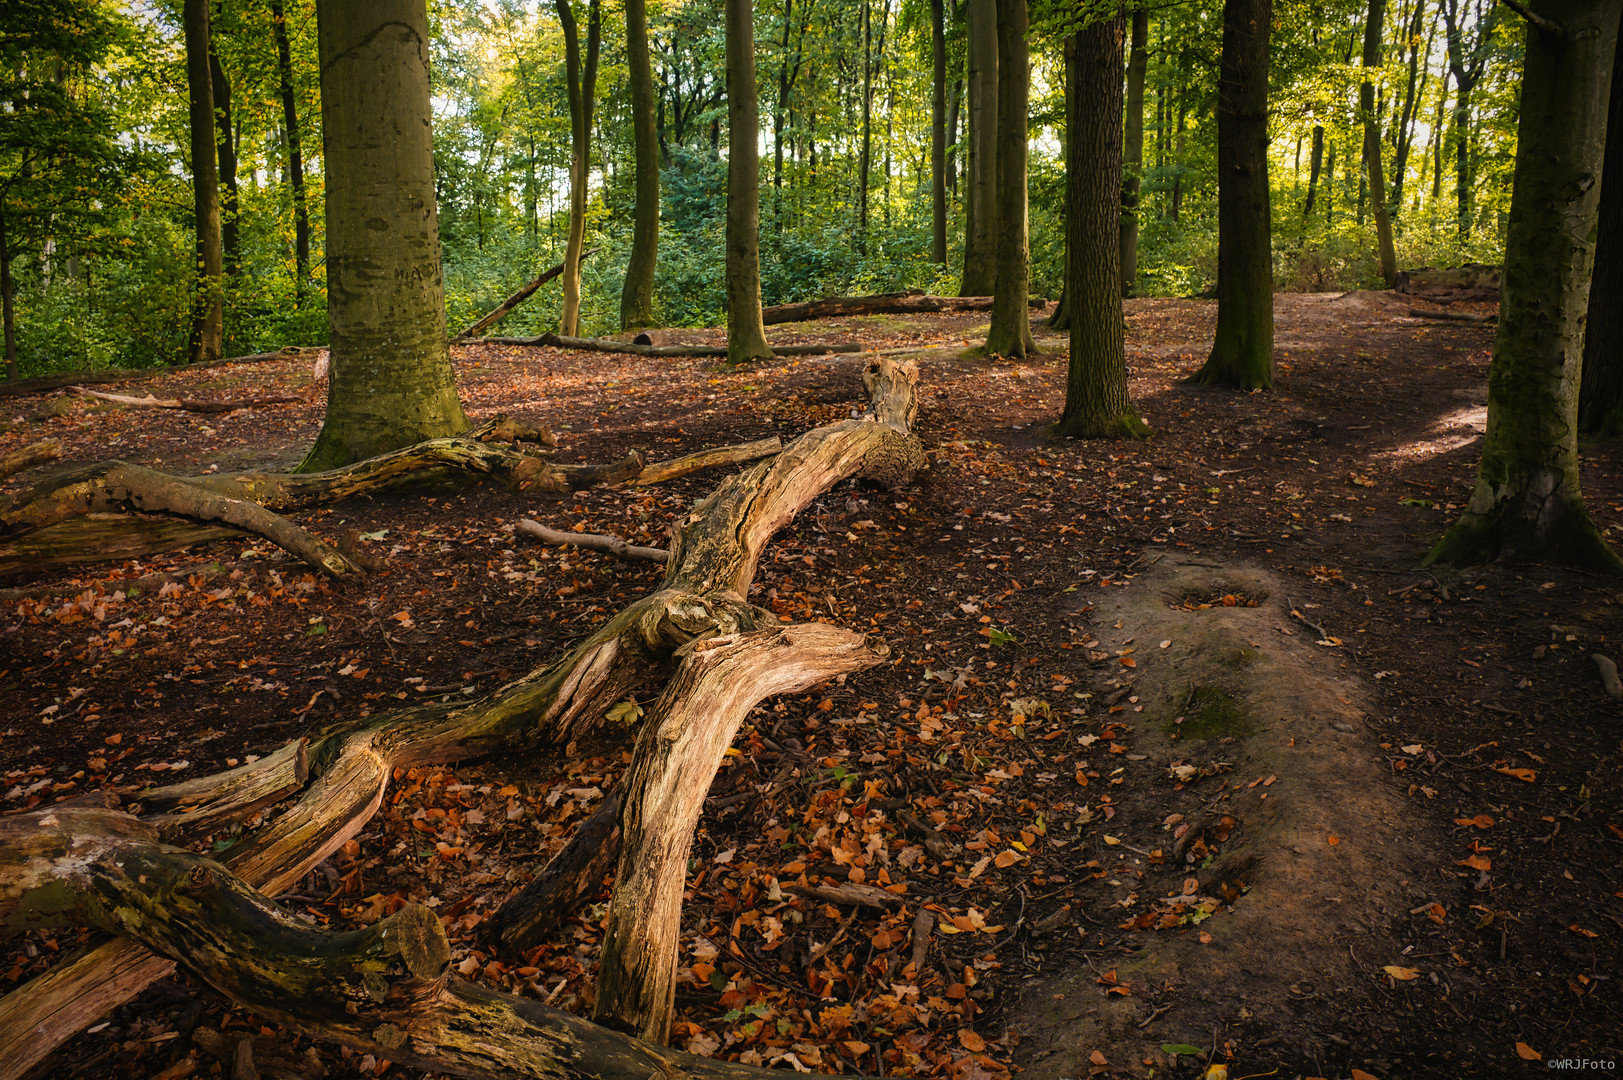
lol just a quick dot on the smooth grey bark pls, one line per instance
(1372, 143)
(580, 80)
(1242, 354)
(1010, 331)
(208, 305)
(1096, 401)
(980, 180)
(1133, 149)
(746, 334)
(637, 294)
(1527, 504)
(390, 382)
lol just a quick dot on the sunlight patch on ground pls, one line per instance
(1451, 432)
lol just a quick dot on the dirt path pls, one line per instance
(1452, 736)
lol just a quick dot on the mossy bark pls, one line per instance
(391, 383)
(1527, 504)
(980, 195)
(1242, 353)
(637, 294)
(1010, 332)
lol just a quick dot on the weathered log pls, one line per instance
(1473, 281)
(568, 879)
(678, 751)
(913, 301)
(506, 306)
(350, 763)
(184, 404)
(609, 345)
(385, 989)
(26, 457)
(608, 545)
(252, 501)
(661, 471)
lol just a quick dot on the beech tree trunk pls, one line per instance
(1372, 144)
(1133, 150)
(1010, 331)
(391, 383)
(746, 334)
(1527, 504)
(581, 86)
(226, 143)
(938, 132)
(1243, 348)
(1096, 402)
(980, 181)
(637, 294)
(295, 154)
(208, 305)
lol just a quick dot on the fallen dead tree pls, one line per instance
(506, 307)
(385, 989)
(44, 383)
(607, 345)
(185, 404)
(913, 301)
(1447, 285)
(98, 501)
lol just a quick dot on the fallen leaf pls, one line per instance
(1476, 862)
(1521, 774)
(1402, 974)
(1332, 839)
(1098, 1058)
(1481, 821)
(1527, 1053)
(1576, 929)
(970, 1041)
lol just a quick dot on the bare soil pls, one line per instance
(1217, 768)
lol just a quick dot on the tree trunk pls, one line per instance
(1316, 163)
(1010, 332)
(1372, 144)
(1600, 401)
(938, 133)
(8, 315)
(1414, 89)
(746, 334)
(581, 83)
(205, 341)
(1527, 504)
(391, 382)
(955, 98)
(981, 204)
(295, 156)
(1096, 402)
(231, 248)
(1243, 347)
(637, 294)
(1133, 151)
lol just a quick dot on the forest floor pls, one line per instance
(1185, 759)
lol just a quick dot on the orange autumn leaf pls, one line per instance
(1360, 1074)
(1332, 839)
(1481, 821)
(1476, 862)
(1576, 929)
(1006, 859)
(1527, 1053)
(1098, 1058)
(970, 1041)
(1128, 661)
(1521, 774)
